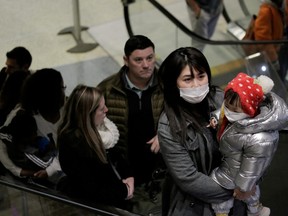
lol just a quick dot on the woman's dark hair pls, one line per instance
(43, 92)
(172, 67)
(168, 74)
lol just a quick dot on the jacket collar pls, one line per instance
(127, 83)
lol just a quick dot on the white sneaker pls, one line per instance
(265, 211)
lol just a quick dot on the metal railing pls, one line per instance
(188, 32)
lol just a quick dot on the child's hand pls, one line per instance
(241, 195)
(213, 123)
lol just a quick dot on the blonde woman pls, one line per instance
(84, 138)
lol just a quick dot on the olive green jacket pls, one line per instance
(113, 88)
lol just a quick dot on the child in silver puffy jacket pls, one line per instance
(249, 121)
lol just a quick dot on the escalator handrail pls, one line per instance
(193, 34)
(127, 20)
(205, 40)
(244, 8)
(11, 181)
(226, 15)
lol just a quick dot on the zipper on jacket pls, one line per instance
(228, 127)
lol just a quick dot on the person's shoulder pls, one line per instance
(12, 114)
(218, 90)
(69, 139)
(163, 128)
(113, 79)
(163, 116)
(265, 5)
(275, 99)
(278, 104)
(163, 119)
(108, 80)
(23, 118)
(107, 84)
(266, 8)
(217, 94)
(23, 122)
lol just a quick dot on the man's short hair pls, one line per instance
(21, 55)
(137, 42)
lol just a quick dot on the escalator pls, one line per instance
(223, 52)
(226, 60)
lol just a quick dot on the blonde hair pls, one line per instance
(79, 115)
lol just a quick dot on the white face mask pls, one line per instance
(194, 95)
(234, 116)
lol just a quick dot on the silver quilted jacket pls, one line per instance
(248, 145)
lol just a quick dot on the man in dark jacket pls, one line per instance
(135, 102)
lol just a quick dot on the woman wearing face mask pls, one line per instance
(189, 147)
(248, 134)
